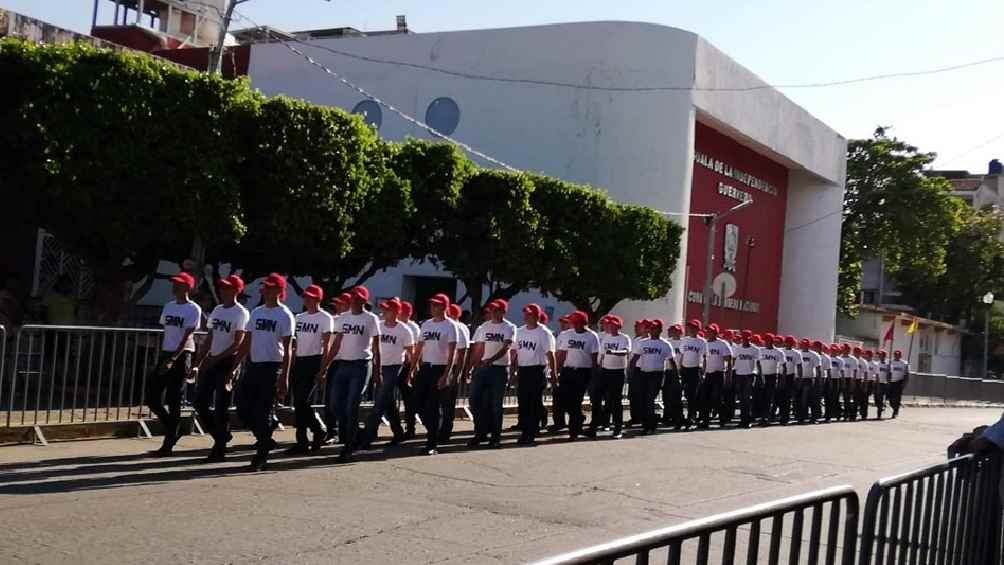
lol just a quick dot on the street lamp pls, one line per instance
(712, 221)
(987, 299)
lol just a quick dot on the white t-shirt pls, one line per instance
(532, 346)
(224, 323)
(310, 329)
(810, 360)
(495, 335)
(268, 327)
(898, 369)
(393, 340)
(836, 367)
(717, 351)
(579, 348)
(358, 331)
(619, 342)
(770, 359)
(177, 319)
(692, 350)
(653, 354)
(436, 338)
(792, 359)
(746, 358)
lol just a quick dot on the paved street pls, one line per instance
(103, 502)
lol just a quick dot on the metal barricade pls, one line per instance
(945, 514)
(65, 374)
(742, 535)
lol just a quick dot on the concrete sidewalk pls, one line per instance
(103, 502)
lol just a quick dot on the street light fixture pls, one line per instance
(987, 299)
(712, 221)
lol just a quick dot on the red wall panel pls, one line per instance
(725, 173)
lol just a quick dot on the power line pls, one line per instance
(578, 86)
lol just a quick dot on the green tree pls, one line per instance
(596, 252)
(893, 211)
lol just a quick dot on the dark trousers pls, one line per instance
(427, 400)
(385, 403)
(305, 371)
(530, 392)
(691, 377)
(212, 389)
(879, 392)
(672, 399)
(785, 392)
(573, 385)
(651, 383)
(636, 395)
(607, 405)
(896, 394)
(256, 401)
(347, 393)
(487, 391)
(163, 388)
(847, 394)
(711, 395)
(330, 418)
(763, 397)
(448, 408)
(861, 394)
(743, 387)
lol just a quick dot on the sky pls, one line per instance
(956, 114)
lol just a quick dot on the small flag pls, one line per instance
(889, 332)
(912, 329)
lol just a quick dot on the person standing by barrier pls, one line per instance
(834, 383)
(791, 375)
(717, 367)
(899, 376)
(692, 353)
(559, 412)
(576, 360)
(407, 391)
(461, 373)
(747, 367)
(650, 359)
(313, 341)
(215, 369)
(771, 359)
(533, 353)
(608, 388)
(340, 306)
(267, 376)
(179, 318)
(357, 345)
(397, 346)
(492, 361)
(436, 351)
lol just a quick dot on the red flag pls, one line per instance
(888, 334)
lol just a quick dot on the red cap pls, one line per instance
(454, 311)
(343, 298)
(314, 291)
(407, 309)
(276, 280)
(499, 304)
(360, 292)
(695, 324)
(533, 310)
(713, 327)
(185, 279)
(391, 304)
(440, 299)
(233, 281)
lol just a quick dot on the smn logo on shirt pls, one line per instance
(303, 327)
(176, 321)
(431, 336)
(263, 325)
(354, 329)
(221, 325)
(528, 345)
(387, 338)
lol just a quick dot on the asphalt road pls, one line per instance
(103, 502)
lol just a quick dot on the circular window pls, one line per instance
(370, 111)
(443, 115)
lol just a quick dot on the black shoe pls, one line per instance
(297, 449)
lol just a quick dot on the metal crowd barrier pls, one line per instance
(944, 514)
(743, 535)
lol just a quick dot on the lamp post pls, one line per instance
(712, 221)
(987, 299)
